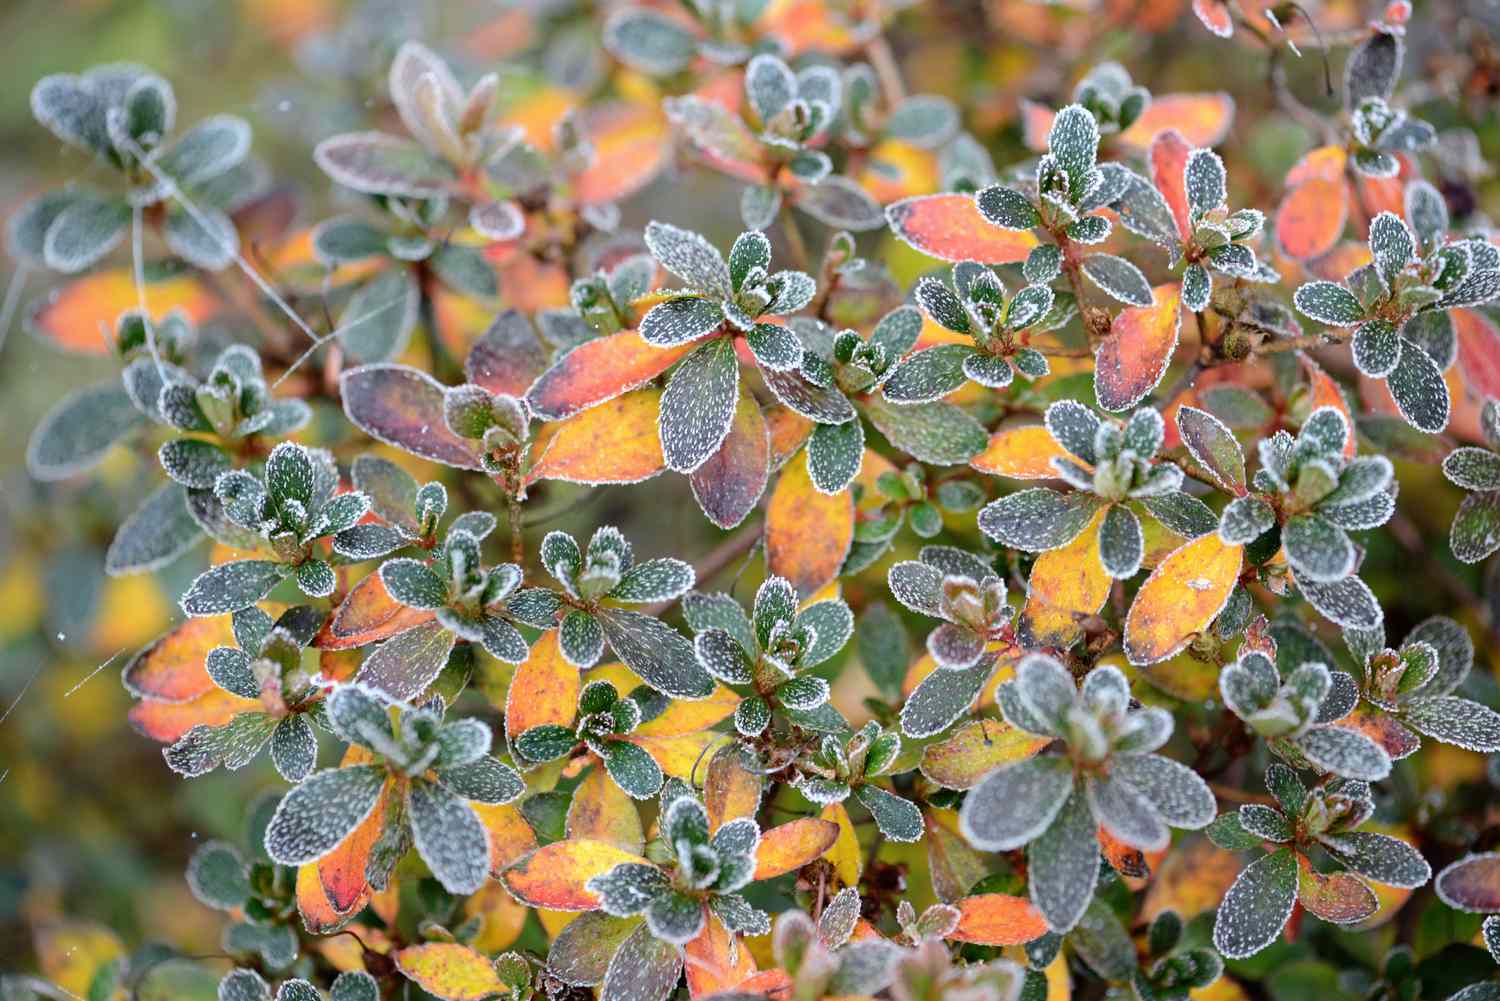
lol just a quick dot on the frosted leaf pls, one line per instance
(697, 408)
(449, 836)
(1348, 602)
(312, 819)
(403, 666)
(1063, 863)
(1119, 279)
(898, 818)
(244, 985)
(1175, 791)
(1038, 519)
(1380, 857)
(1204, 180)
(1257, 906)
(1126, 814)
(644, 968)
(690, 257)
(294, 748)
(232, 586)
(655, 651)
(1122, 544)
(680, 320)
(1329, 303)
(1457, 721)
(1014, 804)
(942, 697)
(930, 374)
(654, 580)
(217, 876)
(1420, 390)
(1345, 752)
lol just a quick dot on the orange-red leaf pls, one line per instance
(554, 876)
(792, 845)
(1203, 119)
(342, 871)
(80, 317)
(165, 722)
(1326, 393)
(599, 370)
(1180, 598)
(1311, 217)
(1169, 157)
(1139, 348)
(544, 689)
(808, 533)
(729, 484)
(450, 970)
(1021, 453)
(715, 961)
(318, 915)
(616, 442)
(949, 227)
(997, 919)
(632, 143)
(171, 669)
(368, 615)
(1340, 897)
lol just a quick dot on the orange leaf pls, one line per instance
(1066, 583)
(342, 871)
(997, 919)
(503, 918)
(1021, 453)
(975, 750)
(680, 754)
(730, 483)
(1169, 157)
(543, 690)
(714, 961)
(731, 790)
(792, 845)
(1383, 729)
(632, 143)
(1203, 119)
(450, 971)
(165, 722)
(950, 228)
(1133, 865)
(1323, 163)
(1193, 878)
(601, 811)
(599, 370)
(510, 835)
(897, 169)
(807, 533)
(368, 615)
(318, 914)
(171, 669)
(461, 321)
(1326, 393)
(788, 430)
(1311, 217)
(554, 875)
(1340, 897)
(1180, 598)
(613, 443)
(81, 316)
(1139, 348)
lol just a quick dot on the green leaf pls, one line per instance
(898, 818)
(413, 583)
(1328, 303)
(1122, 544)
(645, 968)
(1420, 391)
(697, 408)
(834, 455)
(380, 316)
(938, 432)
(1204, 179)
(930, 374)
(79, 430)
(155, 534)
(581, 953)
(379, 164)
(1063, 860)
(230, 587)
(884, 650)
(1007, 207)
(206, 150)
(448, 835)
(633, 769)
(1038, 519)
(649, 41)
(1119, 279)
(218, 876)
(207, 240)
(1257, 906)
(840, 203)
(193, 462)
(84, 232)
(656, 652)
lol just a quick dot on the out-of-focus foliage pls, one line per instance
(784, 498)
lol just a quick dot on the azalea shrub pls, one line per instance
(700, 500)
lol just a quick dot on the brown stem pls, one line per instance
(517, 541)
(884, 63)
(798, 246)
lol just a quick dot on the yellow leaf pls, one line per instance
(731, 790)
(975, 750)
(845, 855)
(1066, 583)
(450, 971)
(544, 689)
(682, 755)
(503, 917)
(71, 954)
(601, 811)
(614, 442)
(1180, 598)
